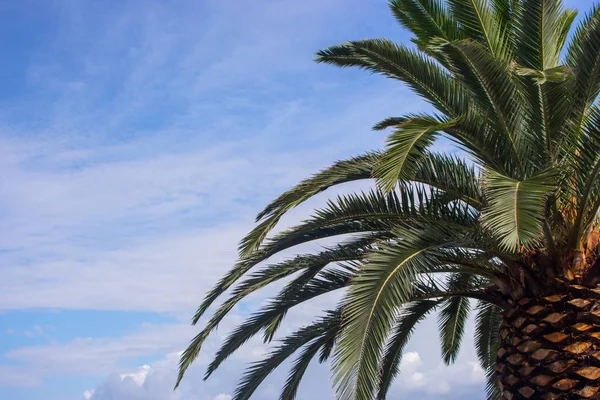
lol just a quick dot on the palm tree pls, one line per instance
(509, 229)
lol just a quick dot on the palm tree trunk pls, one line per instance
(551, 347)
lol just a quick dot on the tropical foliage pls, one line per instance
(513, 218)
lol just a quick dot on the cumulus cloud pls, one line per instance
(439, 380)
(152, 383)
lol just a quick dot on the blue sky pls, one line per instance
(137, 141)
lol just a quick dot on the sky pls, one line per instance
(138, 140)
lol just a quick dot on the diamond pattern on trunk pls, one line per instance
(530, 328)
(515, 359)
(579, 303)
(519, 322)
(512, 380)
(578, 348)
(500, 368)
(526, 371)
(543, 354)
(554, 298)
(565, 384)
(542, 380)
(515, 341)
(554, 318)
(524, 302)
(582, 327)
(534, 310)
(591, 373)
(527, 392)
(509, 314)
(561, 366)
(556, 337)
(587, 392)
(529, 346)
(552, 349)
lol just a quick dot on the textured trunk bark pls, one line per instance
(550, 347)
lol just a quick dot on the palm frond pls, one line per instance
(487, 342)
(419, 72)
(326, 281)
(389, 123)
(301, 363)
(583, 56)
(495, 90)
(540, 34)
(516, 208)
(479, 22)
(428, 20)
(313, 335)
(453, 317)
(352, 250)
(405, 149)
(409, 316)
(356, 168)
(385, 282)
(452, 176)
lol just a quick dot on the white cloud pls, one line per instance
(223, 397)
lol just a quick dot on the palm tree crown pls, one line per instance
(515, 219)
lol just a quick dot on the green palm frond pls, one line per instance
(325, 282)
(477, 19)
(583, 57)
(487, 324)
(495, 90)
(410, 315)
(306, 356)
(389, 123)
(355, 213)
(356, 168)
(314, 336)
(384, 283)
(505, 13)
(423, 75)
(541, 32)
(452, 176)
(406, 148)
(516, 208)
(313, 263)
(428, 20)
(453, 317)
(541, 27)
(487, 343)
